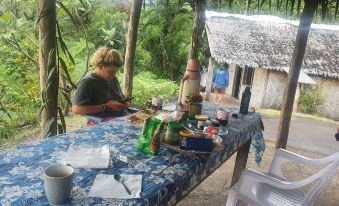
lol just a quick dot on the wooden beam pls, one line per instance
(293, 76)
(199, 26)
(241, 161)
(131, 47)
(49, 77)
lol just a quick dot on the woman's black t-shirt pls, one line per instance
(92, 90)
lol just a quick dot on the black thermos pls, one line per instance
(245, 101)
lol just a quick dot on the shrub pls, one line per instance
(310, 100)
(146, 85)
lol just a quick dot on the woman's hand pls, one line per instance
(115, 106)
(127, 104)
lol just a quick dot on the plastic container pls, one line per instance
(172, 133)
(191, 141)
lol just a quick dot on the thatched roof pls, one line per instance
(268, 42)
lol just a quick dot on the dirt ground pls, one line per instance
(306, 137)
(214, 190)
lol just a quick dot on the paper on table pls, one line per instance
(174, 116)
(88, 156)
(105, 186)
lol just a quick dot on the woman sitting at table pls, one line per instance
(98, 93)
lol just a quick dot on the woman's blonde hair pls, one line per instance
(106, 57)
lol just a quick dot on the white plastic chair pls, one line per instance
(273, 188)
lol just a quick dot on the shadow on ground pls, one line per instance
(214, 190)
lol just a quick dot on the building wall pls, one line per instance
(231, 73)
(330, 91)
(267, 89)
(258, 89)
(274, 90)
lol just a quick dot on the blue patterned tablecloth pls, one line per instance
(166, 178)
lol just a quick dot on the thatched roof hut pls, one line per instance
(268, 42)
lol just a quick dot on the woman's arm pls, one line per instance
(87, 109)
(93, 109)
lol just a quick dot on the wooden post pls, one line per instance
(293, 76)
(211, 64)
(131, 47)
(199, 26)
(49, 77)
(241, 161)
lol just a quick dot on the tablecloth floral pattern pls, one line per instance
(166, 178)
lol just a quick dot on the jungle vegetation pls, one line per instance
(164, 38)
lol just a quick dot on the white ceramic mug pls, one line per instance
(58, 182)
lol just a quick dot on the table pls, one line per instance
(166, 178)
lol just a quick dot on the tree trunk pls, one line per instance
(248, 6)
(336, 10)
(298, 7)
(293, 76)
(199, 26)
(324, 5)
(131, 46)
(286, 8)
(292, 8)
(270, 5)
(49, 78)
(262, 4)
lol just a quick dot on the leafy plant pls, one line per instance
(193, 99)
(146, 85)
(310, 100)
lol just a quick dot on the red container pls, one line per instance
(212, 130)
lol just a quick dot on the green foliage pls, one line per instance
(17, 109)
(310, 100)
(165, 35)
(164, 38)
(146, 85)
(108, 27)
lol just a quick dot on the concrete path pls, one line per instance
(309, 135)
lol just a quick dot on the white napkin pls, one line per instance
(105, 186)
(88, 156)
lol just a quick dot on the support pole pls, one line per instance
(49, 76)
(131, 47)
(241, 161)
(199, 26)
(293, 76)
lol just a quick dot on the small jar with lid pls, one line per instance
(201, 120)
